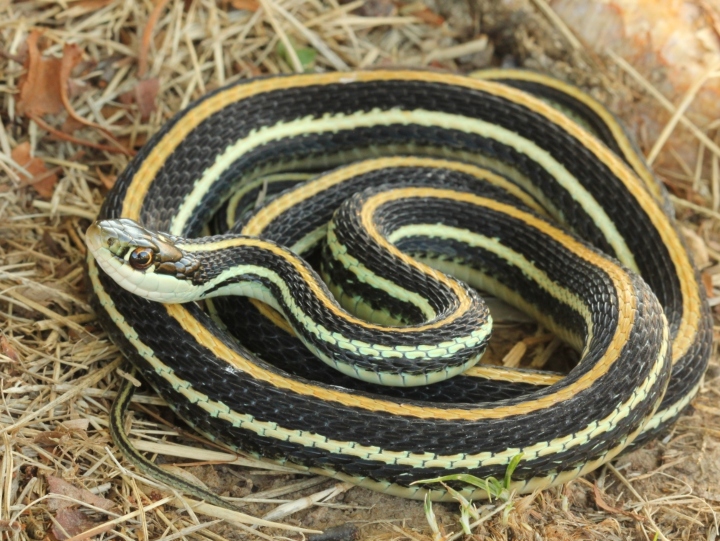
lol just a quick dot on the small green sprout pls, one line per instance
(306, 55)
(494, 489)
(432, 521)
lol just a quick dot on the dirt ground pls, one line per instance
(84, 83)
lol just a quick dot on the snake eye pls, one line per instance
(141, 258)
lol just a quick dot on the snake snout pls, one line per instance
(118, 236)
(97, 237)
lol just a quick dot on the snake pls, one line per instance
(515, 183)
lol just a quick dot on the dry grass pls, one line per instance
(59, 370)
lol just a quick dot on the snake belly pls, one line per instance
(307, 123)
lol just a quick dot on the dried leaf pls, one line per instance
(72, 55)
(88, 6)
(76, 425)
(42, 179)
(56, 485)
(107, 180)
(69, 523)
(707, 283)
(51, 439)
(40, 86)
(14, 526)
(66, 137)
(71, 125)
(50, 294)
(428, 16)
(147, 37)
(249, 5)
(7, 349)
(145, 93)
(614, 510)
(697, 247)
(53, 247)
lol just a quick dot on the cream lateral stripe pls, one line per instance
(609, 120)
(690, 318)
(524, 486)
(477, 371)
(531, 452)
(626, 310)
(689, 323)
(258, 222)
(243, 190)
(308, 241)
(515, 259)
(417, 117)
(221, 411)
(495, 288)
(671, 411)
(378, 117)
(376, 350)
(626, 304)
(504, 374)
(365, 275)
(464, 302)
(206, 339)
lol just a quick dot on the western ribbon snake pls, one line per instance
(468, 175)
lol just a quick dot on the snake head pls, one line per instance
(144, 262)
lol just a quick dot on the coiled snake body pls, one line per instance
(464, 173)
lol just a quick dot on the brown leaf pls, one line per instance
(614, 510)
(53, 247)
(7, 349)
(88, 6)
(147, 37)
(697, 246)
(56, 485)
(429, 17)
(76, 425)
(67, 137)
(72, 56)
(45, 89)
(145, 93)
(69, 523)
(707, 282)
(71, 125)
(40, 85)
(42, 179)
(51, 439)
(138, 141)
(250, 5)
(127, 98)
(107, 180)
(14, 526)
